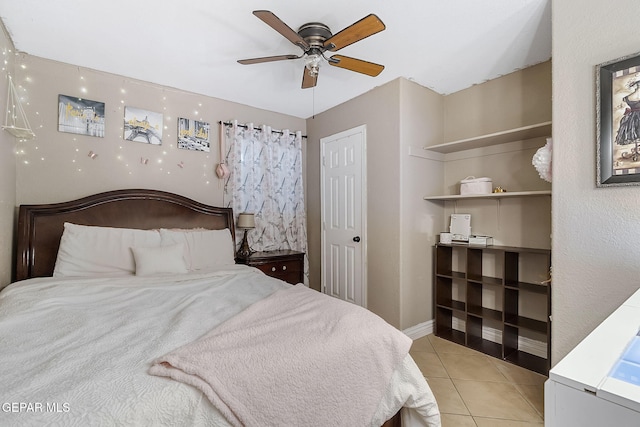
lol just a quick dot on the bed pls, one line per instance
(86, 340)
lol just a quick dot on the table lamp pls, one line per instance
(246, 221)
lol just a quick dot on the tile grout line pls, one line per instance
(454, 385)
(526, 399)
(507, 380)
(517, 386)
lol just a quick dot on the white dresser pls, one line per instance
(594, 385)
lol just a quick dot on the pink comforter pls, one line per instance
(297, 357)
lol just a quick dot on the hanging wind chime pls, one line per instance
(16, 122)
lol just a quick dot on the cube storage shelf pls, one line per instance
(460, 288)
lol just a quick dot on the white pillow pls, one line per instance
(160, 260)
(100, 251)
(202, 248)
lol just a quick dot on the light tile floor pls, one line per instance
(476, 390)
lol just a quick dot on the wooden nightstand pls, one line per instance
(285, 265)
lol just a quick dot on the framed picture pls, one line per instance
(142, 125)
(193, 135)
(618, 122)
(80, 116)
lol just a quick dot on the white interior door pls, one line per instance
(343, 215)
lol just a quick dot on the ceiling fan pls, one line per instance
(315, 38)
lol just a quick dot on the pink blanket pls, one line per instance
(297, 357)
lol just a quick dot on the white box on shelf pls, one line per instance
(480, 240)
(473, 185)
(446, 238)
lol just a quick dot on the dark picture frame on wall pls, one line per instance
(618, 122)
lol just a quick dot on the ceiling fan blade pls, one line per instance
(267, 59)
(276, 23)
(308, 80)
(364, 28)
(357, 65)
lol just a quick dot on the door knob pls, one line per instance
(356, 239)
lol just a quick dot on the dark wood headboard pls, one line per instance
(40, 227)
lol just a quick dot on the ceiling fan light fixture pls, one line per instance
(312, 62)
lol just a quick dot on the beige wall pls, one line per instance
(421, 120)
(379, 111)
(524, 222)
(56, 167)
(7, 169)
(517, 99)
(595, 230)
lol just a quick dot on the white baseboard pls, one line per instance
(420, 330)
(537, 348)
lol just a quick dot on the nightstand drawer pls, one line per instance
(280, 267)
(285, 265)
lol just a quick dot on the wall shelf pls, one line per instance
(518, 134)
(491, 195)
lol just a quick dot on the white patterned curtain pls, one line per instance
(266, 180)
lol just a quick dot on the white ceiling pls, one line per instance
(194, 45)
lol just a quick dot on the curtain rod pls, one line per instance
(259, 128)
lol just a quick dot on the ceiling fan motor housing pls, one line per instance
(315, 33)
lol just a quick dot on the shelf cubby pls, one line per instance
(485, 346)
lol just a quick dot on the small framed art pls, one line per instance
(193, 135)
(80, 116)
(142, 125)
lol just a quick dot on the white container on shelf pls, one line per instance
(473, 185)
(446, 238)
(480, 240)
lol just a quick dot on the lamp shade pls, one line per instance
(246, 220)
